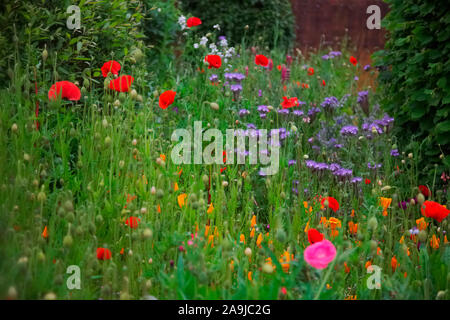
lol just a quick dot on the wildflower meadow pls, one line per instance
(126, 179)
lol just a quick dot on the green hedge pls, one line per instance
(414, 78)
(109, 29)
(270, 22)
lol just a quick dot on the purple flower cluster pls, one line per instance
(243, 112)
(362, 95)
(394, 153)
(214, 78)
(263, 110)
(236, 88)
(331, 55)
(373, 166)
(236, 77)
(349, 130)
(334, 168)
(330, 103)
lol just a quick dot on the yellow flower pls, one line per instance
(182, 200)
(385, 203)
(253, 221)
(421, 224)
(259, 240)
(210, 208)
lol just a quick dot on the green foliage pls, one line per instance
(414, 76)
(109, 29)
(160, 28)
(270, 22)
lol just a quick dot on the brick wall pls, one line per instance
(325, 22)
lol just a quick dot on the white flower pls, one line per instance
(216, 26)
(212, 46)
(223, 43)
(182, 22)
(203, 41)
(196, 45)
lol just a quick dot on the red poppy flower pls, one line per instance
(314, 236)
(166, 99)
(193, 21)
(353, 61)
(332, 203)
(289, 103)
(424, 190)
(110, 66)
(133, 222)
(64, 89)
(323, 83)
(261, 60)
(434, 210)
(103, 254)
(121, 84)
(214, 61)
(310, 71)
(367, 181)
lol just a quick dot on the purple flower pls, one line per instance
(394, 153)
(236, 88)
(298, 113)
(259, 93)
(373, 166)
(243, 112)
(356, 180)
(283, 111)
(367, 67)
(362, 95)
(330, 103)
(213, 78)
(349, 130)
(292, 162)
(263, 109)
(238, 77)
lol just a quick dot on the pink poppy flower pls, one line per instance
(320, 254)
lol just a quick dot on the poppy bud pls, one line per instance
(205, 179)
(133, 94)
(14, 128)
(44, 55)
(248, 252)
(423, 236)
(68, 206)
(373, 245)
(224, 184)
(420, 198)
(372, 223)
(50, 296)
(12, 293)
(116, 103)
(41, 196)
(143, 210)
(410, 155)
(121, 164)
(153, 190)
(155, 94)
(267, 268)
(159, 193)
(67, 241)
(147, 233)
(412, 202)
(108, 141)
(214, 106)
(441, 295)
(139, 98)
